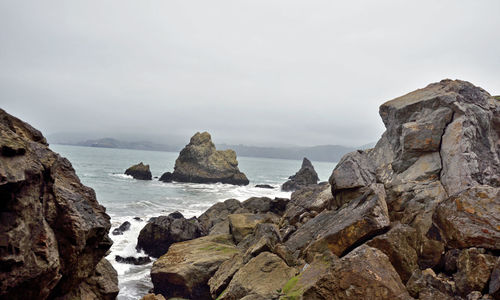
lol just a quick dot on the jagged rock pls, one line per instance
(53, 232)
(399, 244)
(133, 260)
(425, 284)
(263, 275)
(364, 273)
(185, 269)
(139, 171)
(122, 228)
(102, 284)
(157, 236)
(362, 218)
(264, 186)
(166, 177)
(311, 199)
(305, 176)
(471, 218)
(354, 170)
(264, 238)
(218, 213)
(450, 261)
(474, 270)
(243, 224)
(224, 274)
(200, 162)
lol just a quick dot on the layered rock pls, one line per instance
(54, 233)
(305, 176)
(157, 236)
(200, 162)
(139, 171)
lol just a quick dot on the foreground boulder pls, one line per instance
(139, 171)
(305, 176)
(157, 236)
(185, 269)
(200, 162)
(54, 233)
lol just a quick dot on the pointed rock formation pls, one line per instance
(304, 177)
(200, 162)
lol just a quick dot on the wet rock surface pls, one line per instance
(53, 232)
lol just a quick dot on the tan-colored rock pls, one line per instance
(474, 268)
(185, 269)
(471, 218)
(364, 273)
(425, 284)
(241, 225)
(200, 162)
(219, 281)
(263, 275)
(153, 297)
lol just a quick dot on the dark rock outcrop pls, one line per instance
(122, 228)
(305, 176)
(53, 232)
(157, 236)
(200, 162)
(264, 186)
(139, 171)
(166, 177)
(142, 260)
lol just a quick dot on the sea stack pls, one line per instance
(200, 162)
(53, 232)
(139, 171)
(304, 177)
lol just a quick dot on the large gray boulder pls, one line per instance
(53, 232)
(139, 171)
(304, 177)
(200, 162)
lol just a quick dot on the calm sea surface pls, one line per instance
(126, 198)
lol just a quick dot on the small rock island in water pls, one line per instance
(200, 162)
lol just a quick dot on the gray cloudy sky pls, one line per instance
(253, 72)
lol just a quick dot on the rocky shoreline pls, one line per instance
(416, 217)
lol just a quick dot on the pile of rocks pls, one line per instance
(415, 217)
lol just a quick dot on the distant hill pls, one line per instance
(114, 143)
(329, 153)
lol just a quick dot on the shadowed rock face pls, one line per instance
(200, 162)
(139, 171)
(53, 232)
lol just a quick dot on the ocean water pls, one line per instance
(126, 198)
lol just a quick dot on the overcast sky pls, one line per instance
(251, 72)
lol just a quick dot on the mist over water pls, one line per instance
(125, 198)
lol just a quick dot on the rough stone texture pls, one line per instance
(218, 213)
(305, 176)
(139, 171)
(243, 224)
(224, 274)
(308, 200)
(471, 218)
(157, 236)
(474, 270)
(142, 260)
(364, 216)
(263, 275)
(153, 297)
(102, 284)
(53, 232)
(364, 273)
(427, 285)
(186, 268)
(399, 244)
(494, 286)
(354, 170)
(200, 162)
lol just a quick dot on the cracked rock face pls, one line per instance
(53, 232)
